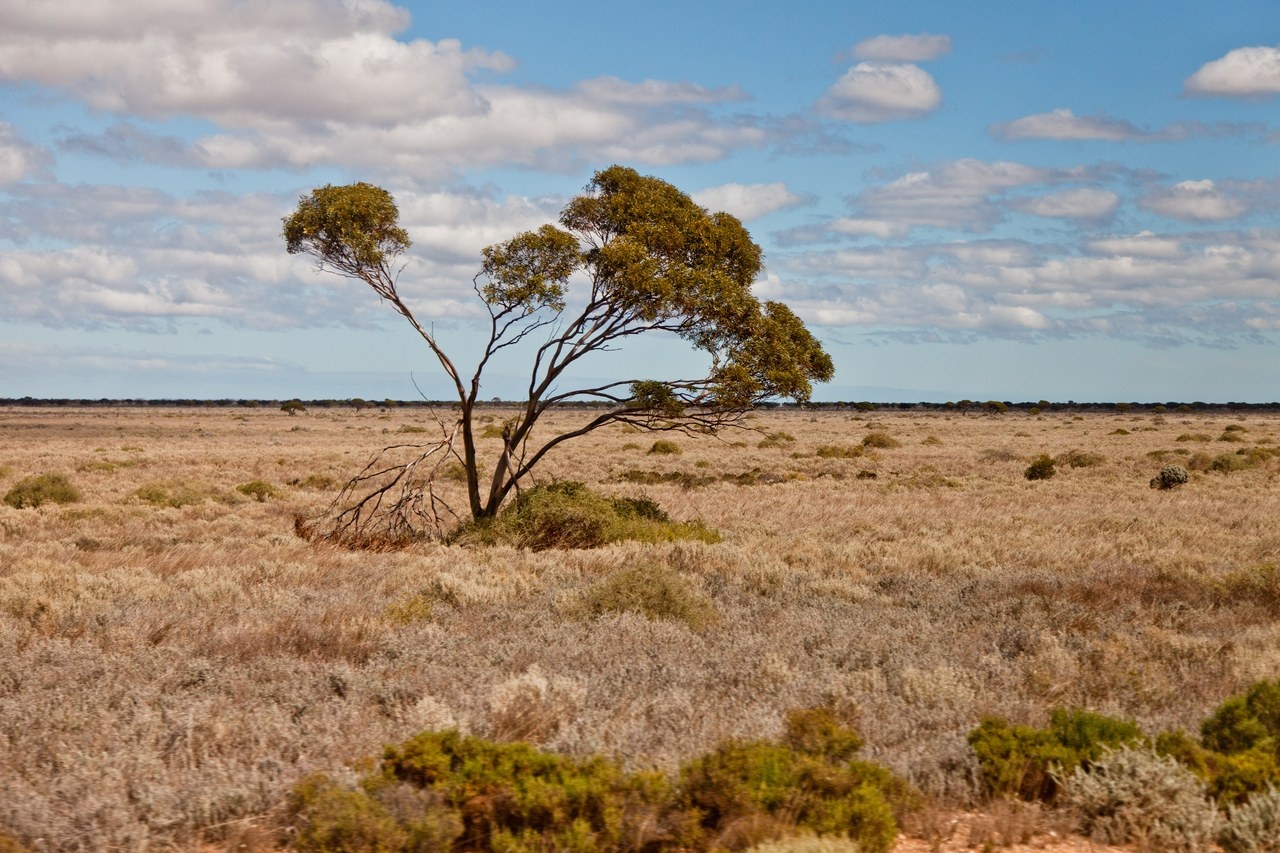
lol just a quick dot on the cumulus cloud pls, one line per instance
(906, 48)
(872, 92)
(144, 259)
(960, 194)
(1246, 72)
(1195, 201)
(748, 201)
(1064, 124)
(1204, 288)
(304, 83)
(1085, 203)
(20, 159)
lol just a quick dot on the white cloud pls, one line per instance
(1144, 244)
(872, 92)
(958, 194)
(20, 159)
(907, 48)
(1066, 125)
(304, 83)
(1084, 203)
(853, 226)
(1246, 72)
(1196, 201)
(748, 201)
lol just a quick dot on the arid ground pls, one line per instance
(173, 658)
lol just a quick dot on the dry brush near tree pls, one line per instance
(173, 659)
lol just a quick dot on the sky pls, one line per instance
(983, 200)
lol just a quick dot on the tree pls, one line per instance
(631, 255)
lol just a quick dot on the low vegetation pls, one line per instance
(41, 489)
(177, 667)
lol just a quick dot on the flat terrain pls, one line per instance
(167, 672)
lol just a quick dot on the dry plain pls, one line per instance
(168, 672)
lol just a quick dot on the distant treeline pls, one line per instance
(987, 407)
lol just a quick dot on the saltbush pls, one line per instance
(1170, 476)
(1021, 760)
(663, 447)
(177, 493)
(839, 451)
(880, 441)
(260, 491)
(656, 592)
(41, 489)
(569, 515)
(1079, 459)
(1132, 795)
(1041, 468)
(1253, 826)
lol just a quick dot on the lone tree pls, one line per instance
(631, 255)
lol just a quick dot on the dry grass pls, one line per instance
(167, 673)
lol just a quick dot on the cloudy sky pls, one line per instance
(991, 200)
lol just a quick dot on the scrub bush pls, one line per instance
(1022, 761)
(664, 447)
(569, 515)
(259, 490)
(656, 592)
(1041, 468)
(880, 441)
(41, 489)
(1253, 826)
(1170, 476)
(1136, 796)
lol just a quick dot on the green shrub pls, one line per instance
(1041, 468)
(664, 447)
(880, 441)
(839, 451)
(777, 439)
(292, 407)
(569, 515)
(1253, 826)
(41, 489)
(1021, 761)
(177, 493)
(1227, 463)
(1245, 732)
(493, 431)
(815, 786)
(1232, 437)
(1130, 796)
(1119, 431)
(437, 787)
(657, 592)
(260, 491)
(1193, 436)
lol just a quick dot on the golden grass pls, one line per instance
(167, 673)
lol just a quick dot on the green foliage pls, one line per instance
(1245, 731)
(880, 441)
(655, 591)
(292, 407)
(663, 447)
(352, 229)
(810, 781)
(330, 818)
(1041, 468)
(1193, 436)
(1137, 796)
(1022, 761)
(1119, 431)
(1227, 463)
(260, 491)
(569, 515)
(41, 489)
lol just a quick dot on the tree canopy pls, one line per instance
(630, 255)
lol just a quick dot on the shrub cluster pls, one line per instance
(1128, 787)
(1170, 476)
(569, 515)
(446, 791)
(1041, 468)
(656, 592)
(260, 491)
(41, 489)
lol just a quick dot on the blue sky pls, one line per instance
(984, 200)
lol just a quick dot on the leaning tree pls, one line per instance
(631, 255)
